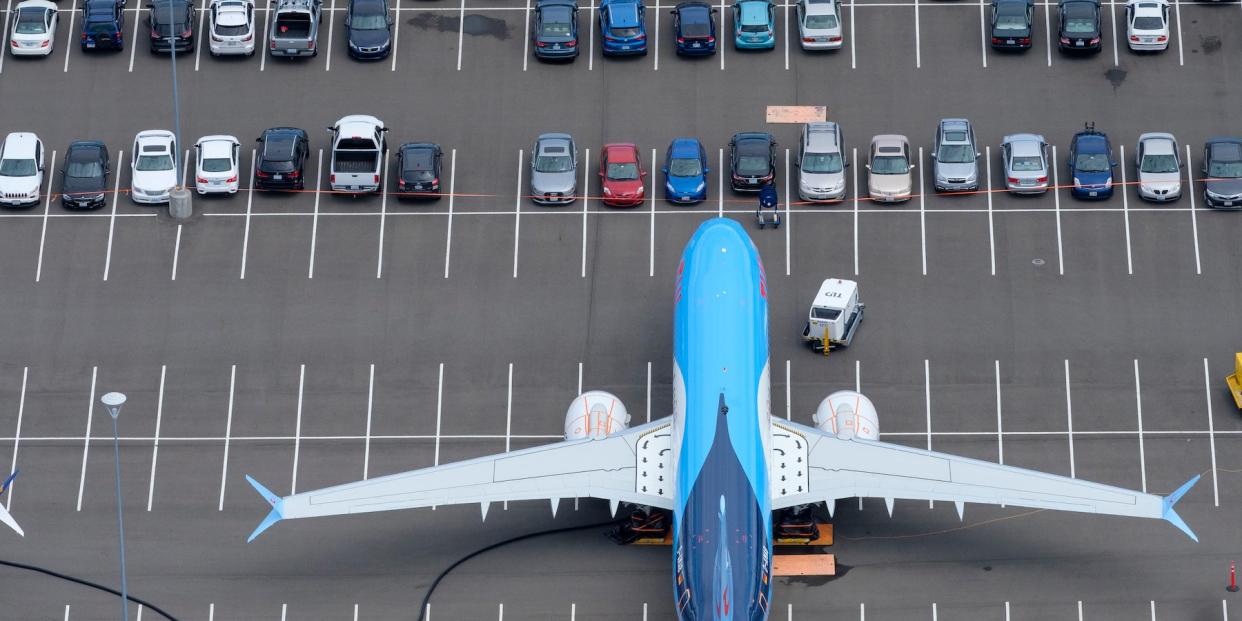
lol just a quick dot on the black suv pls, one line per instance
(752, 161)
(172, 25)
(281, 160)
(84, 179)
(418, 170)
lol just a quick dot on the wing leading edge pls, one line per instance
(608, 468)
(840, 468)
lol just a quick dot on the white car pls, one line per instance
(819, 24)
(216, 164)
(1159, 166)
(231, 30)
(1147, 25)
(34, 28)
(154, 166)
(21, 169)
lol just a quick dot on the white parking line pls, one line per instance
(155, 450)
(249, 201)
(439, 410)
(509, 429)
(586, 199)
(297, 430)
(651, 228)
(853, 43)
(591, 35)
(21, 408)
(854, 183)
(366, 450)
(1125, 207)
(73, 12)
(133, 41)
(1056, 197)
(327, 65)
(1080, 610)
(918, 46)
(1112, 22)
(1181, 58)
(720, 175)
(4, 37)
(1138, 403)
(396, 35)
(987, 155)
(1069, 419)
(1048, 33)
(927, 405)
(379, 255)
(788, 223)
(526, 38)
(86, 443)
(461, 31)
(198, 43)
(1000, 427)
(1211, 431)
(116, 196)
(656, 37)
(448, 241)
(66, 612)
(310, 265)
(922, 211)
(788, 390)
(787, 36)
(720, 47)
(517, 210)
(1153, 610)
(935, 617)
(1224, 609)
(1194, 220)
(228, 432)
(263, 53)
(47, 207)
(648, 387)
(983, 36)
(176, 252)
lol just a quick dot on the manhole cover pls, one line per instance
(1037, 261)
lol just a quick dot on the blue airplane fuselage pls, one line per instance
(722, 527)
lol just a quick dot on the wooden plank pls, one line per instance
(796, 114)
(804, 565)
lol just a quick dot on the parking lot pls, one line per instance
(311, 338)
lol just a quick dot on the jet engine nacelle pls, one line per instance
(847, 414)
(595, 414)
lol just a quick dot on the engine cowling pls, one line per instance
(595, 414)
(847, 414)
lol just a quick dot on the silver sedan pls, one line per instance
(1025, 159)
(819, 24)
(1159, 167)
(554, 170)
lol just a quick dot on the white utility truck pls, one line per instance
(834, 316)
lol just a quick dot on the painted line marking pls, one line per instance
(517, 211)
(17, 435)
(461, 31)
(1125, 210)
(249, 201)
(379, 260)
(788, 399)
(327, 65)
(918, 51)
(855, 186)
(155, 449)
(720, 182)
(1000, 427)
(787, 222)
(86, 444)
(1207, 396)
(508, 420)
(1048, 34)
(853, 46)
(526, 39)
(8, 10)
(310, 264)
(228, 431)
(47, 207)
(586, 193)
(198, 43)
(927, 406)
(648, 386)
(439, 411)
(176, 253)
(133, 48)
(263, 53)
(73, 12)
(983, 36)
(987, 152)
(1056, 197)
(1181, 57)
(1069, 420)
(922, 212)
(591, 36)
(297, 432)
(651, 227)
(396, 38)
(1194, 220)
(448, 240)
(1138, 400)
(366, 450)
(1112, 15)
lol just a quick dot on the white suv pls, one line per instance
(154, 166)
(232, 27)
(21, 170)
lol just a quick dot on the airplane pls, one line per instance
(5, 517)
(721, 464)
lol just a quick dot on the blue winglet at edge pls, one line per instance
(1171, 516)
(272, 499)
(4, 487)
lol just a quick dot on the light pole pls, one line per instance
(113, 401)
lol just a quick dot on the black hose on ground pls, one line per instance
(87, 583)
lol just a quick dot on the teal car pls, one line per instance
(754, 24)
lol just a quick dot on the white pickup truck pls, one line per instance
(358, 145)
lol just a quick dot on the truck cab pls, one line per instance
(358, 144)
(834, 315)
(295, 28)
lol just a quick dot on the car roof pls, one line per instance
(754, 11)
(85, 150)
(1158, 144)
(623, 13)
(621, 150)
(152, 135)
(540, 4)
(33, 4)
(1091, 142)
(889, 141)
(216, 146)
(101, 8)
(694, 9)
(554, 140)
(1217, 145)
(409, 146)
(1147, 8)
(20, 144)
(685, 147)
(820, 7)
(1016, 139)
(1025, 145)
(306, 5)
(821, 137)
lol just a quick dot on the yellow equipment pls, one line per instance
(1235, 380)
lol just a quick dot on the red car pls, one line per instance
(621, 174)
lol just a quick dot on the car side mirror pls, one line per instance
(706, 170)
(664, 169)
(1113, 162)
(62, 170)
(913, 166)
(845, 163)
(868, 166)
(258, 140)
(642, 173)
(978, 154)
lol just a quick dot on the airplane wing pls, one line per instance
(631, 466)
(5, 517)
(838, 468)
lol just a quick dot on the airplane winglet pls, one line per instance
(1171, 516)
(272, 499)
(4, 487)
(5, 517)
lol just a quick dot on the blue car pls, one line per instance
(694, 28)
(103, 22)
(1091, 164)
(754, 25)
(624, 26)
(685, 171)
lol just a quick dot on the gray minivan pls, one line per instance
(821, 162)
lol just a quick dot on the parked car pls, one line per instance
(889, 167)
(1011, 24)
(624, 26)
(84, 178)
(418, 170)
(172, 25)
(103, 25)
(1025, 160)
(1091, 164)
(819, 24)
(554, 170)
(295, 28)
(1147, 25)
(955, 160)
(1079, 25)
(694, 28)
(358, 145)
(217, 164)
(34, 28)
(555, 30)
(1222, 169)
(685, 171)
(280, 162)
(154, 166)
(754, 24)
(1159, 164)
(821, 162)
(231, 27)
(21, 170)
(752, 161)
(621, 175)
(369, 29)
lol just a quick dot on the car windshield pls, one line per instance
(1148, 23)
(955, 154)
(1219, 169)
(1159, 163)
(18, 168)
(232, 31)
(821, 22)
(162, 161)
(685, 167)
(97, 28)
(1091, 162)
(1011, 22)
(623, 171)
(626, 32)
(84, 169)
(1027, 163)
(554, 163)
(695, 25)
(752, 165)
(821, 163)
(754, 28)
(556, 25)
(217, 164)
(1079, 25)
(889, 165)
(30, 22)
